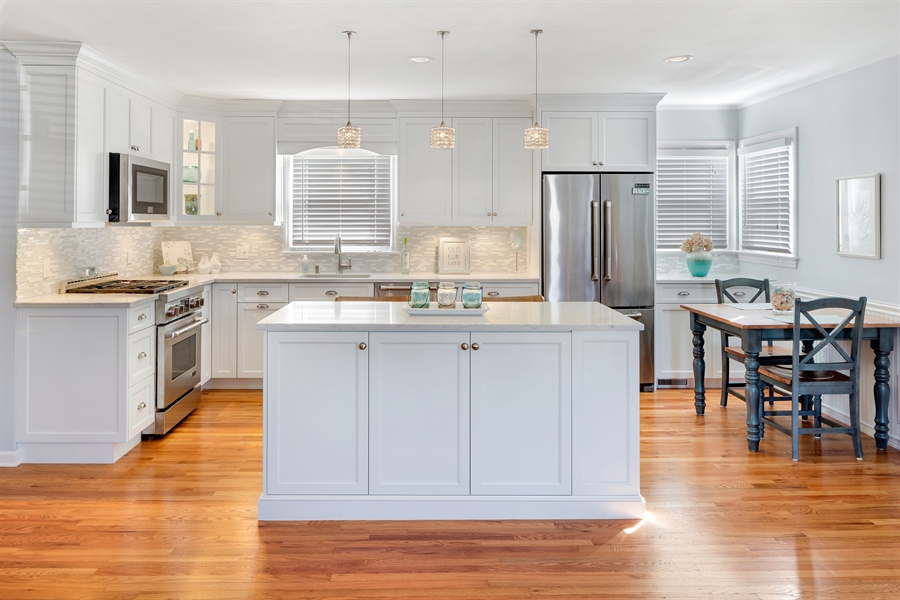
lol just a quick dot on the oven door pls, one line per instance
(179, 359)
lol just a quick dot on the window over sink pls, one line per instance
(329, 191)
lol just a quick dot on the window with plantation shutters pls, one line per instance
(691, 195)
(346, 193)
(767, 196)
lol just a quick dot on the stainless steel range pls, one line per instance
(178, 340)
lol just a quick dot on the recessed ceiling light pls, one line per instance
(420, 59)
(678, 59)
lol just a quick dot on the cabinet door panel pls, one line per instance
(224, 330)
(424, 175)
(206, 337)
(573, 141)
(521, 414)
(141, 402)
(142, 126)
(164, 135)
(248, 167)
(472, 171)
(673, 347)
(316, 413)
(512, 173)
(120, 120)
(419, 413)
(250, 339)
(91, 158)
(628, 141)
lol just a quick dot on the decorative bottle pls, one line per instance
(215, 264)
(404, 257)
(204, 265)
(191, 140)
(304, 264)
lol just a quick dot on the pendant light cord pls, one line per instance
(536, 33)
(349, 34)
(442, 77)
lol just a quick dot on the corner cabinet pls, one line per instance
(600, 141)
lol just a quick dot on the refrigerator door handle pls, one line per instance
(608, 250)
(595, 237)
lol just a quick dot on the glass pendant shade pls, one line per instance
(536, 137)
(349, 136)
(443, 137)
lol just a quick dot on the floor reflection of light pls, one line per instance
(647, 517)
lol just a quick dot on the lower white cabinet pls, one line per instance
(492, 290)
(317, 413)
(206, 336)
(249, 338)
(224, 330)
(141, 406)
(329, 291)
(419, 413)
(521, 413)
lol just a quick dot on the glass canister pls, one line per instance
(419, 295)
(471, 295)
(446, 294)
(783, 296)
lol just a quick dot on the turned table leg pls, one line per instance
(882, 346)
(698, 329)
(751, 343)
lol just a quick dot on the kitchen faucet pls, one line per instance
(337, 250)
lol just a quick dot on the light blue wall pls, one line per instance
(691, 125)
(846, 125)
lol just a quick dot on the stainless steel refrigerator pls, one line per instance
(599, 245)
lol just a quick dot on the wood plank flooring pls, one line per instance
(176, 518)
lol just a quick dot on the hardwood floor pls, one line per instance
(176, 518)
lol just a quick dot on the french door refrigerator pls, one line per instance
(599, 245)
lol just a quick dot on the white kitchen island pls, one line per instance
(528, 412)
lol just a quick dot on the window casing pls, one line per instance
(694, 193)
(768, 207)
(346, 192)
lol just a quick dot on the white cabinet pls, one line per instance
(249, 339)
(140, 406)
(206, 336)
(224, 330)
(248, 170)
(521, 413)
(317, 440)
(64, 168)
(419, 413)
(600, 141)
(424, 174)
(512, 173)
(138, 125)
(329, 291)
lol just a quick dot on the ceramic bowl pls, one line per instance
(167, 269)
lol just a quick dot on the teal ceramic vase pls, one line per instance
(699, 263)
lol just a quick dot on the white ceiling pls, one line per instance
(293, 50)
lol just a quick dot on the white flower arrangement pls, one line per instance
(697, 243)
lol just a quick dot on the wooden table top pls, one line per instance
(761, 319)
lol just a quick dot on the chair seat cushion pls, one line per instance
(785, 375)
(767, 354)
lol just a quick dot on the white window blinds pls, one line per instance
(691, 195)
(766, 198)
(349, 195)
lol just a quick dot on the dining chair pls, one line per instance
(769, 355)
(806, 377)
(371, 299)
(493, 299)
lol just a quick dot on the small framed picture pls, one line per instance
(453, 255)
(859, 216)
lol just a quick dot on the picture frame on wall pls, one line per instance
(859, 216)
(453, 255)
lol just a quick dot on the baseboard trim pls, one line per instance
(233, 384)
(10, 458)
(844, 419)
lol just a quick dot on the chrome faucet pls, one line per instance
(337, 250)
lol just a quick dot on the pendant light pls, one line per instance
(348, 136)
(443, 137)
(536, 137)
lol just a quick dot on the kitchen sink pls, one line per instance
(335, 275)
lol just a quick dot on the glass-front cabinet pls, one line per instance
(200, 168)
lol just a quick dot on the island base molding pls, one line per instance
(417, 508)
(99, 453)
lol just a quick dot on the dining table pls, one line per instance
(758, 325)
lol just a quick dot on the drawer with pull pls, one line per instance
(256, 292)
(686, 293)
(494, 290)
(328, 291)
(140, 406)
(141, 355)
(141, 316)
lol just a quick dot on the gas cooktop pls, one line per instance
(128, 286)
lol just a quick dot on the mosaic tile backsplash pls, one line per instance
(45, 257)
(673, 263)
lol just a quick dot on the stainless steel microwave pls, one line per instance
(138, 189)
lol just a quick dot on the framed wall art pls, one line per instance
(453, 255)
(859, 216)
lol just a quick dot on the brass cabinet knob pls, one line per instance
(475, 346)
(142, 355)
(362, 346)
(464, 346)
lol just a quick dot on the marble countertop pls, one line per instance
(123, 300)
(502, 316)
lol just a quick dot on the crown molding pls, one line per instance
(595, 101)
(712, 107)
(77, 54)
(462, 108)
(337, 109)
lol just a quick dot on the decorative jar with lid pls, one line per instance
(471, 295)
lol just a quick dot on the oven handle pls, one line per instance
(183, 330)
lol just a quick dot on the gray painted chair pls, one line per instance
(770, 355)
(806, 377)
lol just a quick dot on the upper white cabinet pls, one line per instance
(600, 141)
(138, 125)
(248, 169)
(424, 175)
(485, 180)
